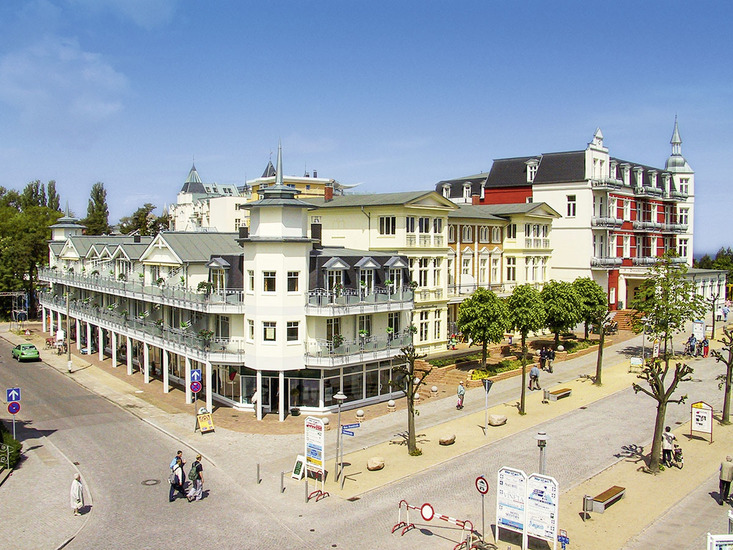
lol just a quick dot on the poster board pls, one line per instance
(511, 493)
(701, 418)
(542, 507)
(205, 422)
(298, 468)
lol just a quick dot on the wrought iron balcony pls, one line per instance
(349, 301)
(597, 261)
(606, 183)
(321, 352)
(598, 221)
(227, 301)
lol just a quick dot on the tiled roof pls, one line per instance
(200, 247)
(377, 199)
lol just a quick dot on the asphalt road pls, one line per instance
(124, 464)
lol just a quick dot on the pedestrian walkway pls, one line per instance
(380, 435)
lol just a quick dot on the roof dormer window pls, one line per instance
(467, 191)
(532, 165)
(446, 191)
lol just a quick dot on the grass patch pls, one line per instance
(571, 346)
(445, 361)
(491, 370)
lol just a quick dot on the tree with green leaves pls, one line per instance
(144, 221)
(593, 301)
(526, 314)
(562, 307)
(725, 356)
(406, 375)
(97, 220)
(484, 318)
(34, 194)
(666, 301)
(54, 200)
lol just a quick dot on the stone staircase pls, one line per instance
(625, 318)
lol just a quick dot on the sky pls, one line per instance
(390, 95)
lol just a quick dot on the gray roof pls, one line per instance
(474, 211)
(376, 199)
(502, 211)
(56, 247)
(193, 182)
(279, 195)
(200, 247)
(82, 243)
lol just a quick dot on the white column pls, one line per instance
(146, 363)
(61, 326)
(78, 334)
(100, 342)
(113, 345)
(209, 389)
(281, 397)
(166, 380)
(128, 352)
(89, 338)
(43, 318)
(188, 381)
(258, 405)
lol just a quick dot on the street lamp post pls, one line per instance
(340, 398)
(541, 438)
(68, 333)
(643, 343)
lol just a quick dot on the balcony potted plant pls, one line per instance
(413, 285)
(338, 289)
(159, 323)
(337, 340)
(206, 335)
(95, 273)
(205, 287)
(388, 284)
(160, 281)
(121, 277)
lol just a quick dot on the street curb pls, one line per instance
(6, 473)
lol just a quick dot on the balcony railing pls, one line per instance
(153, 331)
(598, 221)
(606, 183)
(648, 191)
(597, 261)
(536, 242)
(675, 227)
(319, 348)
(465, 289)
(645, 260)
(169, 295)
(349, 297)
(677, 195)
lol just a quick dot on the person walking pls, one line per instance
(668, 439)
(534, 378)
(196, 476)
(705, 347)
(461, 394)
(76, 496)
(543, 357)
(179, 455)
(176, 480)
(550, 359)
(726, 476)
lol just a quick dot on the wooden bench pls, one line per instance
(559, 394)
(608, 497)
(636, 364)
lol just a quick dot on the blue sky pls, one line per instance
(392, 95)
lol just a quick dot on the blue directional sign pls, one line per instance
(347, 432)
(13, 394)
(351, 426)
(195, 375)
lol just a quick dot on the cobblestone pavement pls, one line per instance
(241, 511)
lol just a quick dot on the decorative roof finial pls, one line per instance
(676, 141)
(279, 169)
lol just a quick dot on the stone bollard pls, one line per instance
(447, 439)
(391, 407)
(416, 398)
(434, 391)
(375, 463)
(327, 423)
(359, 415)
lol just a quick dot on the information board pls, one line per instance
(542, 507)
(298, 468)
(206, 422)
(315, 438)
(511, 491)
(701, 418)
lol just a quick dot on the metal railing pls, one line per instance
(169, 295)
(598, 221)
(319, 347)
(598, 261)
(322, 297)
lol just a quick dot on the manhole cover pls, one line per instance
(150, 482)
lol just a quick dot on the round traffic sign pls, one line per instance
(427, 512)
(482, 485)
(13, 407)
(195, 387)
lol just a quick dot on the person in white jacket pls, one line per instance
(76, 496)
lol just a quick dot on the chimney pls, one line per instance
(475, 199)
(316, 233)
(315, 173)
(136, 239)
(243, 232)
(328, 192)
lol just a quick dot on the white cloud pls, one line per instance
(57, 83)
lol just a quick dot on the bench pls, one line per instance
(608, 497)
(636, 364)
(559, 394)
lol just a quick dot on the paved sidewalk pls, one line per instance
(242, 452)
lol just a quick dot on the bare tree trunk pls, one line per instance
(654, 458)
(599, 362)
(411, 440)
(726, 400)
(524, 375)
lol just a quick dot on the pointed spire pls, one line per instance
(279, 169)
(676, 141)
(193, 175)
(67, 208)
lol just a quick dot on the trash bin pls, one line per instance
(587, 504)
(546, 395)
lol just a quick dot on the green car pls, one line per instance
(26, 351)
